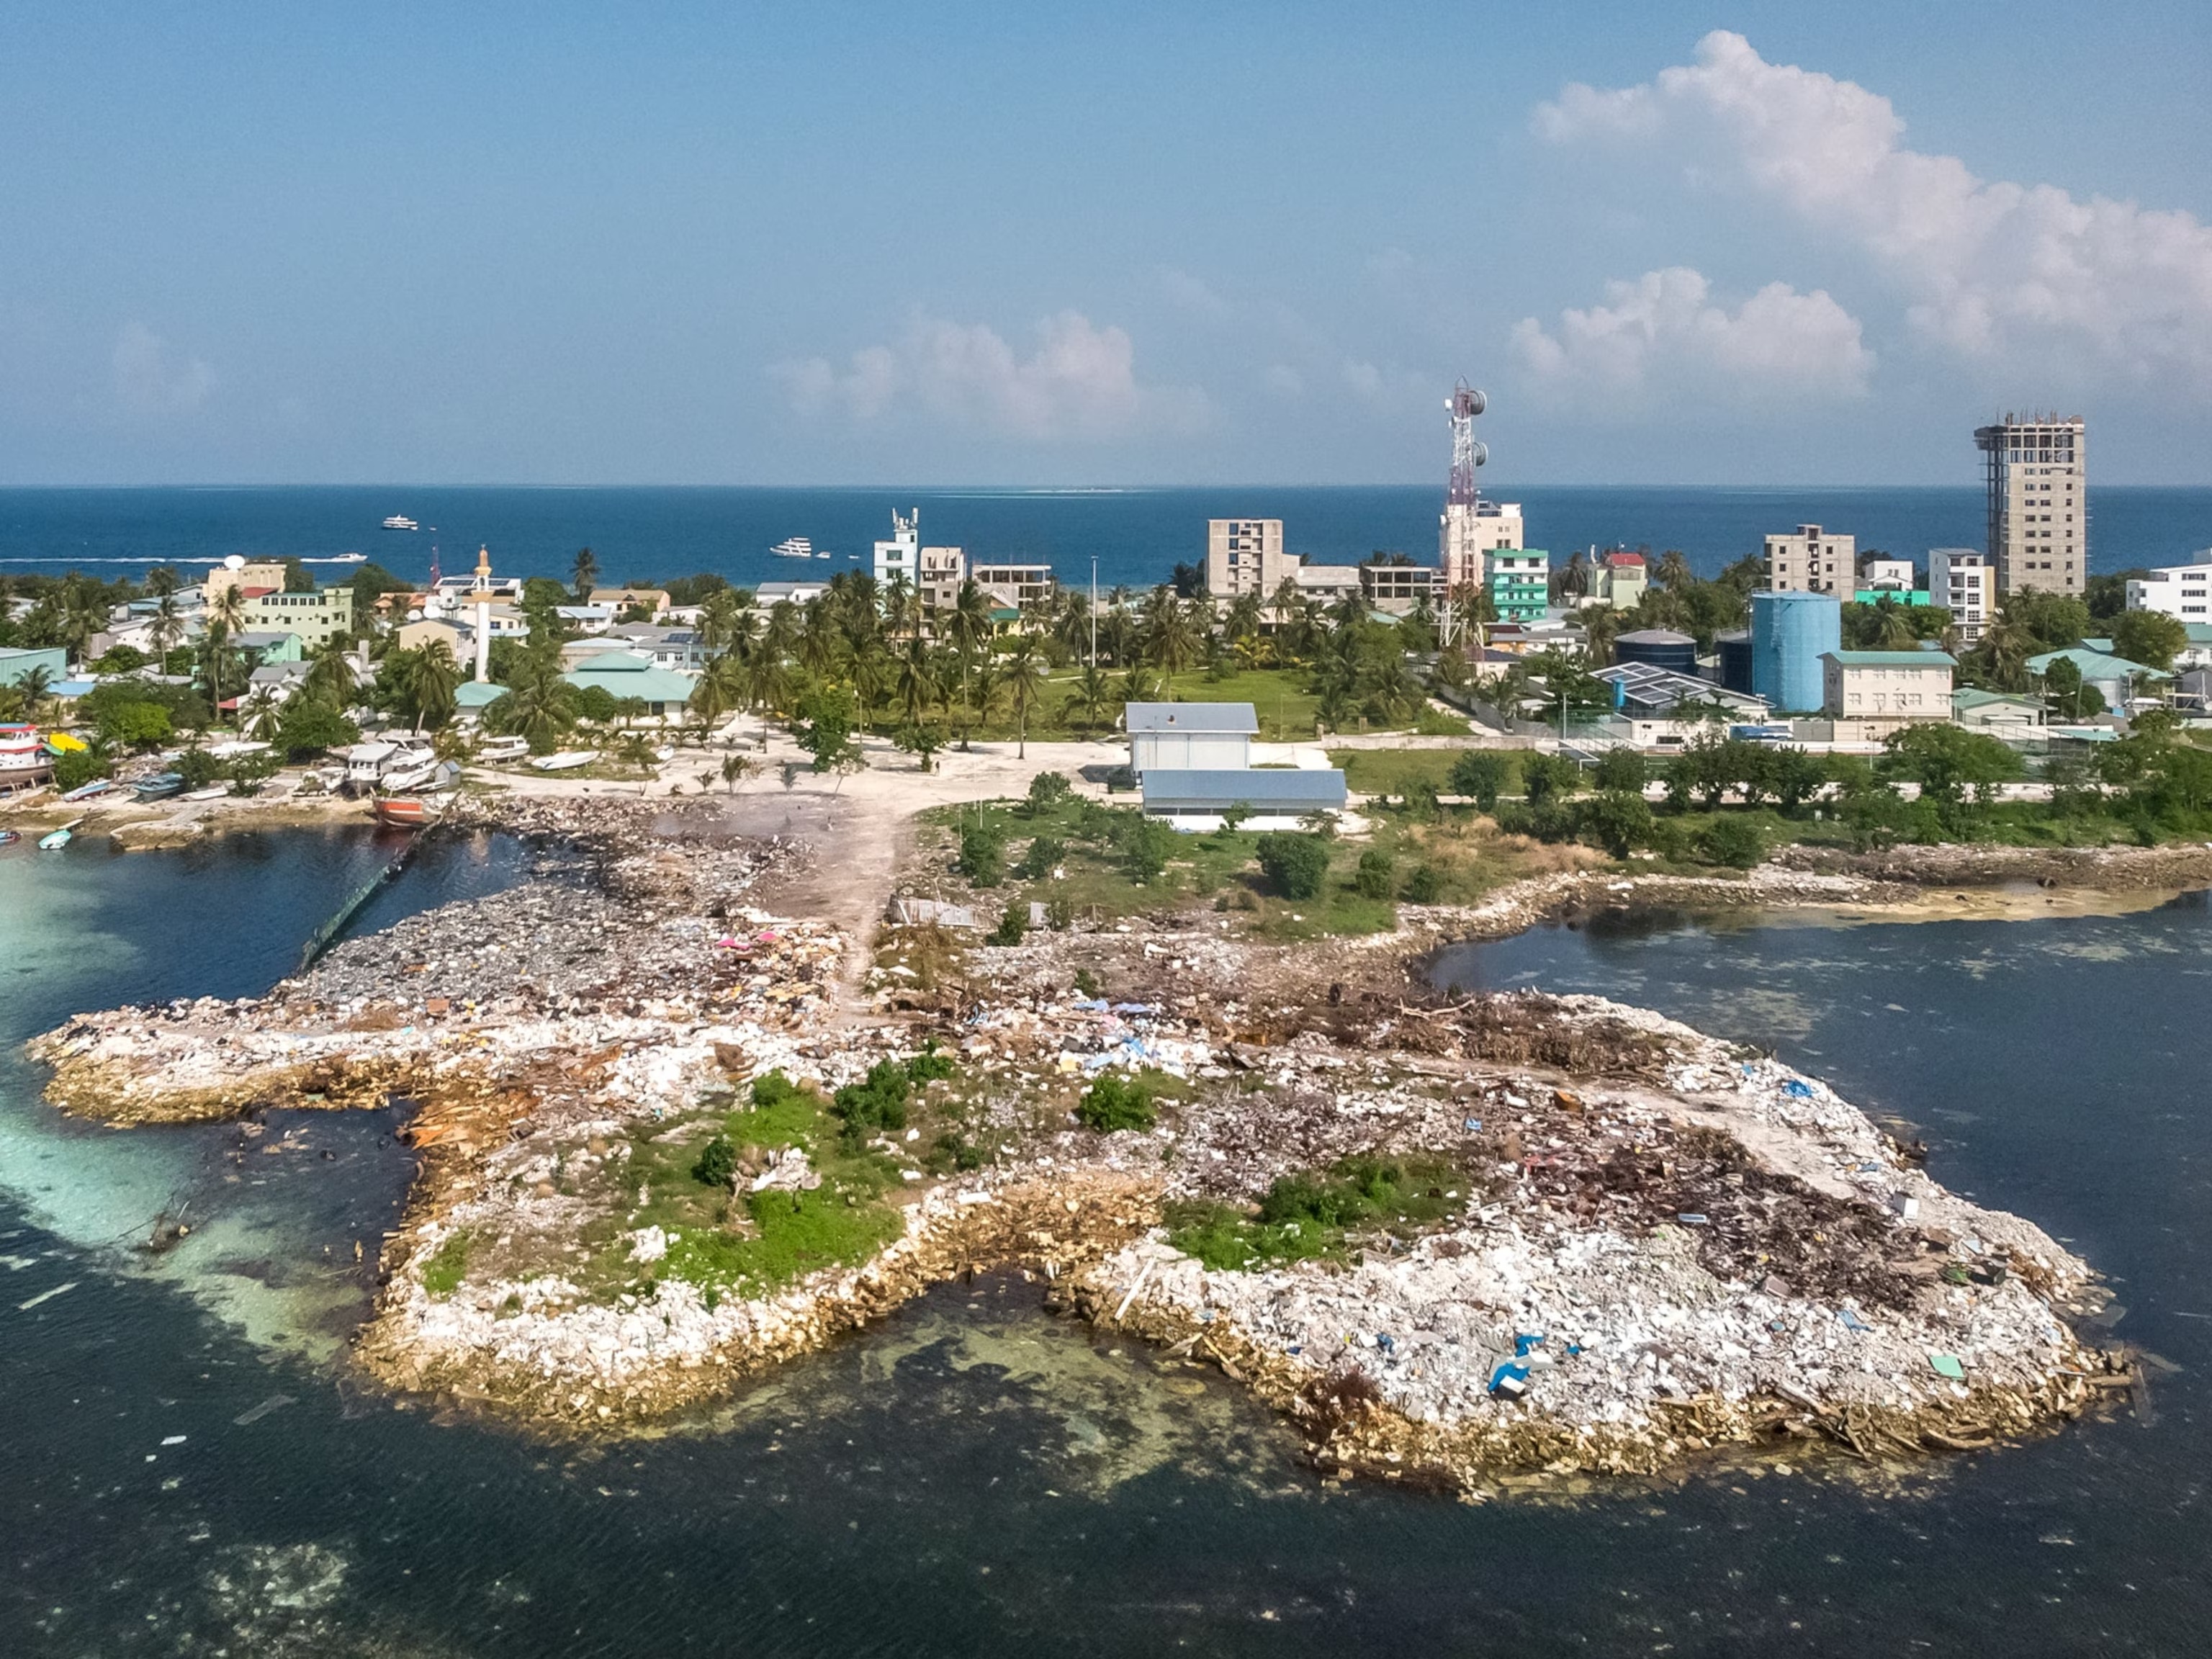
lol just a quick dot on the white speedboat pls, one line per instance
(794, 546)
(567, 760)
(400, 521)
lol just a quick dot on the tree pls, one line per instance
(1545, 776)
(430, 680)
(1090, 696)
(1733, 840)
(2149, 637)
(734, 767)
(1021, 675)
(1618, 820)
(2068, 694)
(1957, 770)
(1294, 864)
(312, 727)
(969, 629)
(1376, 876)
(298, 578)
(719, 689)
(1480, 774)
(538, 705)
(825, 729)
(919, 740)
(141, 725)
(585, 574)
(1620, 769)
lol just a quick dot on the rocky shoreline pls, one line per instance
(1619, 1245)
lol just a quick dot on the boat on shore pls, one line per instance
(54, 840)
(794, 546)
(26, 759)
(567, 760)
(158, 787)
(213, 792)
(401, 521)
(91, 791)
(9, 838)
(407, 812)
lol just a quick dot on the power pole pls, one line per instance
(1094, 610)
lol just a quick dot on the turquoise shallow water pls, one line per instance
(977, 1477)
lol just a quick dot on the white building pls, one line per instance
(1012, 585)
(1887, 575)
(936, 573)
(1206, 736)
(1961, 580)
(1812, 561)
(1245, 555)
(1876, 692)
(2181, 591)
(1468, 532)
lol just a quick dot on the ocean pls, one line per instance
(189, 1469)
(1137, 536)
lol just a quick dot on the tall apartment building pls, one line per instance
(934, 573)
(2039, 504)
(1961, 580)
(1468, 532)
(1812, 561)
(1015, 585)
(1245, 555)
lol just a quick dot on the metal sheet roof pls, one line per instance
(1232, 718)
(1211, 789)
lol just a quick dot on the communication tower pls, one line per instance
(1461, 559)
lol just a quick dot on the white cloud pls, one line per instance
(1988, 269)
(154, 378)
(1079, 382)
(1663, 330)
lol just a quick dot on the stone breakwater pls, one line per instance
(1640, 1244)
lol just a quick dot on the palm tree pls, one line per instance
(331, 677)
(917, 686)
(1673, 570)
(734, 767)
(969, 629)
(902, 606)
(539, 706)
(228, 608)
(168, 630)
(1090, 694)
(429, 679)
(720, 688)
(1022, 677)
(586, 573)
(260, 711)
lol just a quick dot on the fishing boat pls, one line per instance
(213, 792)
(160, 785)
(401, 521)
(25, 759)
(89, 791)
(794, 546)
(504, 749)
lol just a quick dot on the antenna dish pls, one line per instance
(1476, 403)
(1482, 450)
(235, 562)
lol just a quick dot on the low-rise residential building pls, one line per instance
(587, 618)
(1325, 584)
(1521, 584)
(654, 601)
(1999, 713)
(1812, 561)
(458, 637)
(768, 595)
(939, 573)
(1963, 581)
(2181, 591)
(1879, 572)
(272, 645)
(17, 664)
(625, 674)
(664, 648)
(255, 576)
(1189, 736)
(315, 617)
(1876, 692)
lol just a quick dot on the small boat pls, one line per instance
(349, 558)
(567, 760)
(9, 838)
(794, 546)
(160, 786)
(58, 839)
(407, 812)
(401, 521)
(213, 792)
(88, 791)
(503, 749)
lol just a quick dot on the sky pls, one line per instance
(1060, 245)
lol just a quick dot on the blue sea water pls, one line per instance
(1137, 536)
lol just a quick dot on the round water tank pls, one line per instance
(1660, 647)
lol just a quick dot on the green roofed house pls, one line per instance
(623, 674)
(1999, 713)
(472, 697)
(2114, 678)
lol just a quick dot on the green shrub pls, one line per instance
(1045, 854)
(76, 767)
(1376, 875)
(1733, 841)
(1434, 723)
(1480, 773)
(1294, 864)
(1619, 768)
(717, 1163)
(312, 727)
(1146, 844)
(1060, 913)
(1617, 821)
(446, 1265)
(1047, 791)
(197, 768)
(1545, 777)
(138, 725)
(929, 1067)
(982, 855)
(1424, 885)
(1013, 922)
(1086, 984)
(877, 1102)
(1114, 1102)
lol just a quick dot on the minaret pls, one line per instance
(483, 591)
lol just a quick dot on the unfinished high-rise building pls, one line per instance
(2039, 504)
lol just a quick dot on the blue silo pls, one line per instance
(1789, 634)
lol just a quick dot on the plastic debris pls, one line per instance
(1946, 1365)
(1510, 1381)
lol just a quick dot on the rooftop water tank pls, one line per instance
(1661, 647)
(1790, 633)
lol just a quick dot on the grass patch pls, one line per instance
(447, 1265)
(1317, 1217)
